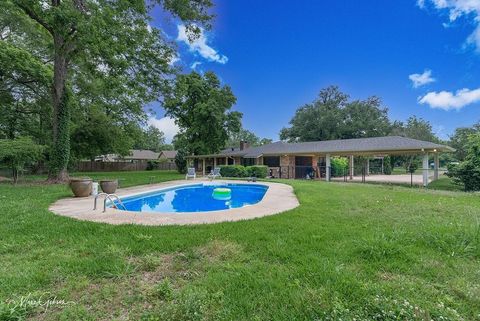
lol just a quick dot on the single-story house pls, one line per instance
(136, 155)
(140, 155)
(167, 155)
(292, 160)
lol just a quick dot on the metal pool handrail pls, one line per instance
(107, 197)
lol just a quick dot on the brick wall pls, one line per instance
(287, 164)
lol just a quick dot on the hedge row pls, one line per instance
(259, 171)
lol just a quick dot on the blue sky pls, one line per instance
(421, 57)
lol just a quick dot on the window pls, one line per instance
(271, 161)
(248, 161)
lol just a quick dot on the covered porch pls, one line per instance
(320, 167)
(360, 157)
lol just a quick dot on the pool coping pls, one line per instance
(278, 198)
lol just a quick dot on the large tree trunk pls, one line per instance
(61, 115)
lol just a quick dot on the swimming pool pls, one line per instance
(194, 198)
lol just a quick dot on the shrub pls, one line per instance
(467, 173)
(233, 171)
(387, 165)
(339, 166)
(412, 167)
(259, 171)
(151, 165)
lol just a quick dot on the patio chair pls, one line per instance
(215, 173)
(191, 173)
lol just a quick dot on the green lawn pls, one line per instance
(446, 184)
(349, 252)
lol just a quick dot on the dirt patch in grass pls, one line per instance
(156, 289)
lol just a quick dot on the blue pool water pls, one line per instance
(195, 198)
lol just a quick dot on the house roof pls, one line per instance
(168, 153)
(387, 144)
(142, 154)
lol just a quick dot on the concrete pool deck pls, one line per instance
(278, 198)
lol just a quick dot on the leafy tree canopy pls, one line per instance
(235, 138)
(416, 128)
(333, 116)
(201, 107)
(17, 153)
(467, 173)
(459, 140)
(101, 54)
(152, 139)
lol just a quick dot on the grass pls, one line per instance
(446, 184)
(349, 252)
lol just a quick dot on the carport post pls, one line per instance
(327, 170)
(436, 165)
(425, 169)
(351, 167)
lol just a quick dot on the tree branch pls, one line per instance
(33, 15)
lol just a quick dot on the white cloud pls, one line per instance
(421, 3)
(166, 125)
(447, 100)
(174, 60)
(419, 80)
(195, 65)
(456, 9)
(200, 45)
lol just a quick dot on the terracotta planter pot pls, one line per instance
(109, 186)
(81, 187)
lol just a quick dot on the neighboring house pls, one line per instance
(296, 160)
(141, 155)
(167, 155)
(136, 155)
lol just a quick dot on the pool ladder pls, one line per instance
(108, 197)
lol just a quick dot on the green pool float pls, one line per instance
(222, 193)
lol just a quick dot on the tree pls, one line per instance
(365, 119)
(90, 38)
(264, 141)
(467, 173)
(96, 134)
(19, 152)
(201, 108)
(24, 80)
(181, 161)
(459, 140)
(319, 120)
(152, 139)
(332, 116)
(416, 128)
(235, 138)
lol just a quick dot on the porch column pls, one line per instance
(350, 165)
(425, 169)
(203, 167)
(436, 165)
(226, 160)
(214, 162)
(327, 164)
(368, 166)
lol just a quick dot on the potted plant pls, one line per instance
(81, 187)
(109, 186)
